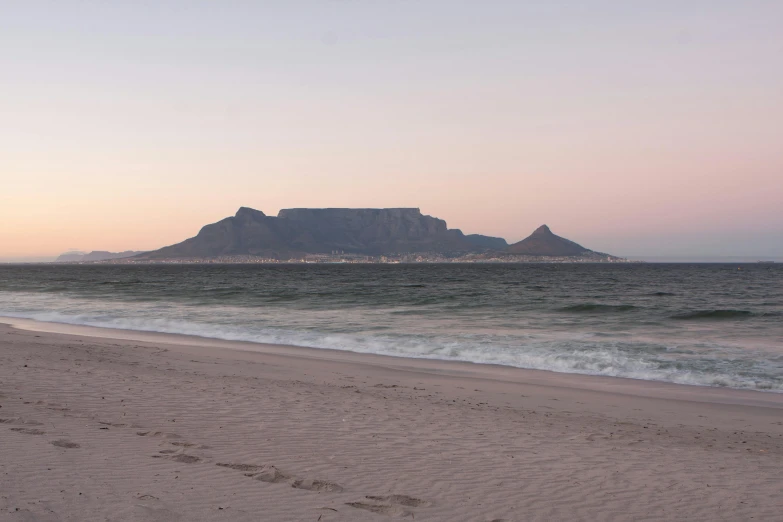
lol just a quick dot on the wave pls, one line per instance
(662, 294)
(713, 314)
(596, 308)
(633, 360)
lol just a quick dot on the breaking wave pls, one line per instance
(634, 360)
(596, 308)
(714, 314)
(688, 324)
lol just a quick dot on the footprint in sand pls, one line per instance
(19, 420)
(184, 459)
(29, 431)
(264, 473)
(190, 445)
(317, 485)
(403, 500)
(383, 509)
(62, 443)
(251, 468)
(159, 434)
(393, 505)
(273, 475)
(113, 424)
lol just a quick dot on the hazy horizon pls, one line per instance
(649, 130)
(659, 255)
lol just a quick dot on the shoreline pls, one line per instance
(614, 384)
(183, 428)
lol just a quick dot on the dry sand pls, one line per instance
(175, 428)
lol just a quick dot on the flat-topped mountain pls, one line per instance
(375, 231)
(542, 242)
(297, 231)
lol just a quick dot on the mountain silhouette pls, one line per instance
(542, 242)
(299, 231)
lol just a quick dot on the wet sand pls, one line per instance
(113, 425)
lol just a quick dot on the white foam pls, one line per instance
(565, 354)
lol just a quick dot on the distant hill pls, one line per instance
(487, 242)
(542, 242)
(72, 256)
(95, 255)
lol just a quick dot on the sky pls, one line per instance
(645, 128)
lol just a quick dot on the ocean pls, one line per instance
(699, 324)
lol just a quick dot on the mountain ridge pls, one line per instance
(95, 255)
(297, 232)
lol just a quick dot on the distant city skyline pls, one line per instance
(645, 129)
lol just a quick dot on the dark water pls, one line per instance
(697, 324)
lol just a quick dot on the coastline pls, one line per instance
(615, 384)
(172, 427)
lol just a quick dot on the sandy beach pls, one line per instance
(113, 425)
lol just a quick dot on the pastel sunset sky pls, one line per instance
(644, 128)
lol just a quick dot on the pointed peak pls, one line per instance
(542, 242)
(543, 229)
(247, 211)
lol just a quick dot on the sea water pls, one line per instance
(702, 324)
